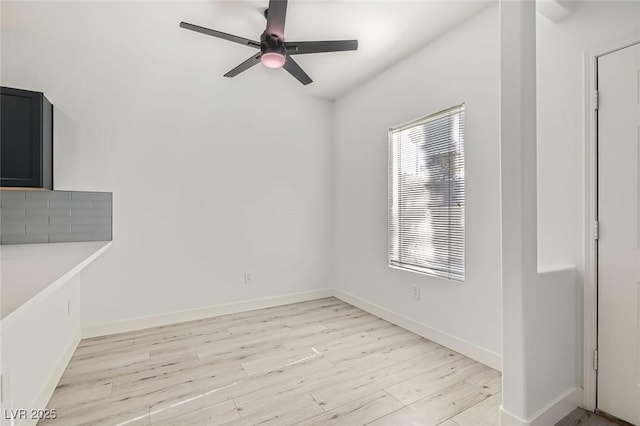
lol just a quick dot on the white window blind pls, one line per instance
(426, 195)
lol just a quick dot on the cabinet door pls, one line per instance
(21, 138)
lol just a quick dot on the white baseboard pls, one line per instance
(94, 330)
(468, 349)
(508, 419)
(49, 385)
(555, 411)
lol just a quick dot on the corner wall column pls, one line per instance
(518, 194)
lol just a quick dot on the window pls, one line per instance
(426, 195)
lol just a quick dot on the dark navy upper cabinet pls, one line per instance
(26, 139)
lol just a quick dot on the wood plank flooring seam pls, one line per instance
(391, 396)
(317, 402)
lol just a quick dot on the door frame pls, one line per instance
(590, 318)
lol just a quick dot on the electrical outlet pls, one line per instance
(248, 277)
(416, 292)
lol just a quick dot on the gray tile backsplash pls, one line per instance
(55, 216)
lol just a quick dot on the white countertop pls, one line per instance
(30, 270)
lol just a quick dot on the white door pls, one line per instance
(619, 243)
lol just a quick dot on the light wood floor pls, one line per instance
(321, 362)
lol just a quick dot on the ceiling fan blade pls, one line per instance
(294, 69)
(244, 66)
(220, 34)
(276, 15)
(302, 47)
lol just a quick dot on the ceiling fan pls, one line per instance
(274, 51)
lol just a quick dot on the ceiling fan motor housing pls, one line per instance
(273, 52)
(271, 43)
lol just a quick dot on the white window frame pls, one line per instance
(451, 272)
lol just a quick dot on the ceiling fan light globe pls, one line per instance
(273, 59)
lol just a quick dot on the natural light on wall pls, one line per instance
(427, 195)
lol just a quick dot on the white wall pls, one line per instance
(542, 304)
(211, 176)
(560, 53)
(561, 49)
(461, 66)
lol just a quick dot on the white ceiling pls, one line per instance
(387, 31)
